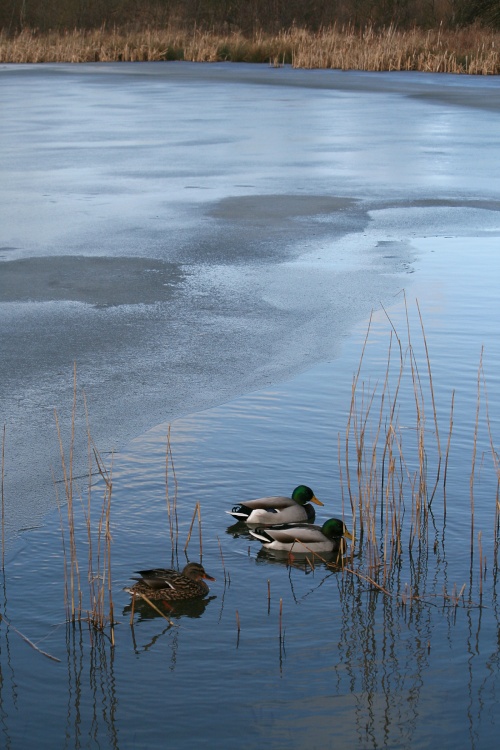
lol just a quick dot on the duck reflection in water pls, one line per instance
(307, 563)
(239, 530)
(193, 608)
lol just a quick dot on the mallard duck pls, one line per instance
(273, 510)
(303, 537)
(171, 585)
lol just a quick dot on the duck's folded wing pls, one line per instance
(288, 533)
(275, 501)
(158, 578)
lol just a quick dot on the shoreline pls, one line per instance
(470, 50)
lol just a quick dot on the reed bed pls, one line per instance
(472, 50)
(92, 601)
(394, 472)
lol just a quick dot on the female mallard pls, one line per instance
(170, 585)
(303, 537)
(273, 510)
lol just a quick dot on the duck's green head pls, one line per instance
(334, 528)
(303, 495)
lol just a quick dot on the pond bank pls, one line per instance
(471, 50)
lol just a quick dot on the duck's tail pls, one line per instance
(240, 512)
(261, 535)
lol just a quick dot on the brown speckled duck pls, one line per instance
(171, 585)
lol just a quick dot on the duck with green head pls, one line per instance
(171, 585)
(303, 538)
(278, 509)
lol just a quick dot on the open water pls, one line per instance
(356, 188)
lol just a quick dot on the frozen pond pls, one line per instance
(207, 242)
(188, 233)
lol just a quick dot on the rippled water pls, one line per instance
(346, 663)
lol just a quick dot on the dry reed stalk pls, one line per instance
(196, 512)
(67, 468)
(98, 567)
(27, 640)
(420, 498)
(268, 596)
(447, 455)
(404, 482)
(391, 49)
(392, 477)
(461, 592)
(173, 519)
(310, 562)
(494, 453)
(65, 558)
(99, 580)
(98, 617)
(3, 498)
(473, 51)
(222, 560)
(474, 455)
(132, 609)
(434, 410)
(156, 609)
(341, 473)
(87, 515)
(350, 419)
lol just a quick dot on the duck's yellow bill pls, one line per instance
(349, 535)
(315, 500)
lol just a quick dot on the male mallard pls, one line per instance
(170, 585)
(273, 510)
(303, 537)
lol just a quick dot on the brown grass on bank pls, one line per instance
(471, 50)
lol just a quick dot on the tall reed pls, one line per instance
(3, 497)
(393, 472)
(173, 518)
(472, 50)
(96, 605)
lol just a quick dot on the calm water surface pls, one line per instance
(354, 666)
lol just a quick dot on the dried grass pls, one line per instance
(95, 603)
(392, 472)
(473, 50)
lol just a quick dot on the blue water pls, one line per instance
(280, 207)
(346, 664)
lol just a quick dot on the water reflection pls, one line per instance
(91, 689)
(194, 608)
(239, 530)
(8, 685)
(406, 653)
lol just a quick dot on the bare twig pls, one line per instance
(27, 640)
